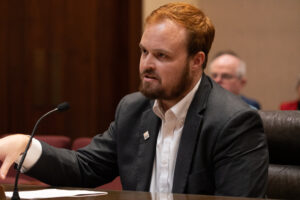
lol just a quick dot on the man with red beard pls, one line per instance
(181, 133)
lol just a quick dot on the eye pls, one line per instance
(144, 51)
(214, 76)
(227, 76)
(161, 55)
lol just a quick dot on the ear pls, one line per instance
(197, 61)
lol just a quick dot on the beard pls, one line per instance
(158, 92)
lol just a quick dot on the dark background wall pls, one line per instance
(81, 51)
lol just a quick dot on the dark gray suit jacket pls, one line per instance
(223, 149)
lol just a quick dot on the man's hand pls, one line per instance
(11, 147)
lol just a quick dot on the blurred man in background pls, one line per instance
(229, 70)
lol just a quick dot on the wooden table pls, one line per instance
(130, 195)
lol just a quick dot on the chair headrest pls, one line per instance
(283, 134)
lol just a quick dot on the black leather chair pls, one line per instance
(283, 134)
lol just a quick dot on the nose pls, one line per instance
(146, 62)
(218, 79)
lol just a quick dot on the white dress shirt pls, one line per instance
(33, 154)
(168, 142)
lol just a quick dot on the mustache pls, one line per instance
(149, 73)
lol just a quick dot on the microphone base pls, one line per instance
(15, 196)
(2, 193)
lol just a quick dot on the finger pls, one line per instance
(5, 167)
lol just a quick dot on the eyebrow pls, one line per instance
(156, 50)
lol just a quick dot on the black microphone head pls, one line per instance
(63, 106)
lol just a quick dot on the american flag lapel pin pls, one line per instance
(146, 135)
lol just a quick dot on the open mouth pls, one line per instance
(146, 76)
(149, 76)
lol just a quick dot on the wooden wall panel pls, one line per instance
(81, 51)
(3, 69)
(15, 69)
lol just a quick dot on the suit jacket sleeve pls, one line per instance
(91, 166)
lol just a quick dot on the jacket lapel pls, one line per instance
(190, 135)
(147, 147)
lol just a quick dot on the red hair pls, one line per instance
(200, 29)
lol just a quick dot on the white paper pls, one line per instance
(52, 193)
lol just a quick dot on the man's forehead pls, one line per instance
(228, 59)
(162, 35)
(225, 62)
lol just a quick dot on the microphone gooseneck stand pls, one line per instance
(61, 107)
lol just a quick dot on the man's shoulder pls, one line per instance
(251, 101)
(226, 109)
(225, 99)
(224, 104)
(136, 97)
(135, 101)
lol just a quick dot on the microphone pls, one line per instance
(61, 107)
